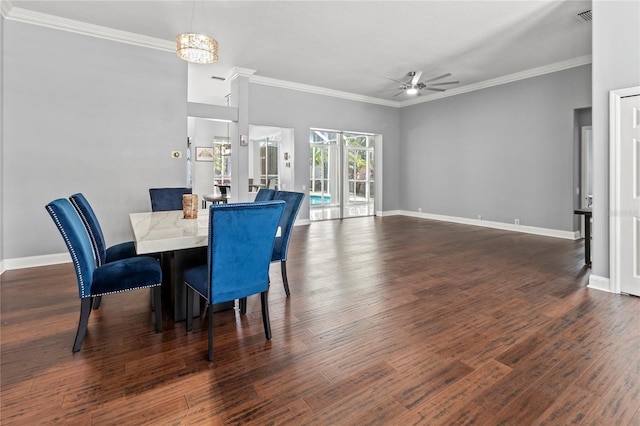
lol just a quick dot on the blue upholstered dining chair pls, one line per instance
(164, 199)
(293, 202)
(241, 238)
(93, 280)
(265, 194)
(103, 254)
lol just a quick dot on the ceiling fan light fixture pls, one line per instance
(412, 91)
(196, 48)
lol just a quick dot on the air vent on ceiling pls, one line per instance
(585, 16)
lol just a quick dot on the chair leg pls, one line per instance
(283, 268)
(242, 304)
(85, 309)
(153, 302)
(210, 315)
(96, 302)
(157, 297)
(189, 312)
(265, 314)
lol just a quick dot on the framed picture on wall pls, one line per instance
(204, 153)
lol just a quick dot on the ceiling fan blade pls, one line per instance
(435, 89)
(416, 78)
(439, 77)
(444, 82)
(397, 81)
(399, 93)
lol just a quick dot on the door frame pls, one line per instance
(615, 141)
(586, 152)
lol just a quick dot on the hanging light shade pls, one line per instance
(196, 48)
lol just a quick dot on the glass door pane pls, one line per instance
(325, 171)
(359, 175)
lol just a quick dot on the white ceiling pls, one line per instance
(354, 46)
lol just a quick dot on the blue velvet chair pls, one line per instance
(165, 199)
(265, 194)
(94, 281)
(103, 254)
(241, 238)
(293, 202)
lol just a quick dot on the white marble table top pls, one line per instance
(156, 232)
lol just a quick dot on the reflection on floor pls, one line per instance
(333, 212)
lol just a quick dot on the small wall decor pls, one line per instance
(204, 153)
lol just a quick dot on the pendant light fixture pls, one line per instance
(196, 48)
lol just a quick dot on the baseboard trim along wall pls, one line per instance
(33, 261)
(600, 283)
(568, 235)
(54, 259)
(597, 283)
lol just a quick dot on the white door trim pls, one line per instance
(614, 182)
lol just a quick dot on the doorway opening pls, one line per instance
(342, 174)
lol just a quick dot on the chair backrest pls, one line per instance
(92, 225)
(265, 194)
(293, 200)
(241, 237)
(164, 199)
(77, 240)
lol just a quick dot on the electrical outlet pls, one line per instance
(517, 221)
(304, 187)
(479, 217)
(419, 209)
(176, 154)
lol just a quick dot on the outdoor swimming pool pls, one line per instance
(316, 200)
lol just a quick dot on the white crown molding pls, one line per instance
(522, 75)
(50, 21)
(5, 7)
(283, 84)
(236, 72)
(55, 22)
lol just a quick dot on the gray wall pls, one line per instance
(271, 106)
(616, 65)
(82, 114)
(504, 152)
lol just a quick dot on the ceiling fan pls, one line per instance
(414, 86)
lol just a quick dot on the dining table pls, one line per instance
(182, 244)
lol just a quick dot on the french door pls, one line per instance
(341, 175)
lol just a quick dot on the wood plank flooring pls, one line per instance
(391, 321)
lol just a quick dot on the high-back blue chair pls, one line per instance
(241, 238)
(265, 194)
(165, 199)
(93, 280)
(103, 253)
(293, 202)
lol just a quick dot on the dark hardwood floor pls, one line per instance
(394, 320)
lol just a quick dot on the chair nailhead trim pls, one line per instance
(74, 256)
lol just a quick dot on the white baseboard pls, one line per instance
(33, 261)
(568, 235)
(389, 213)
(600, 283)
